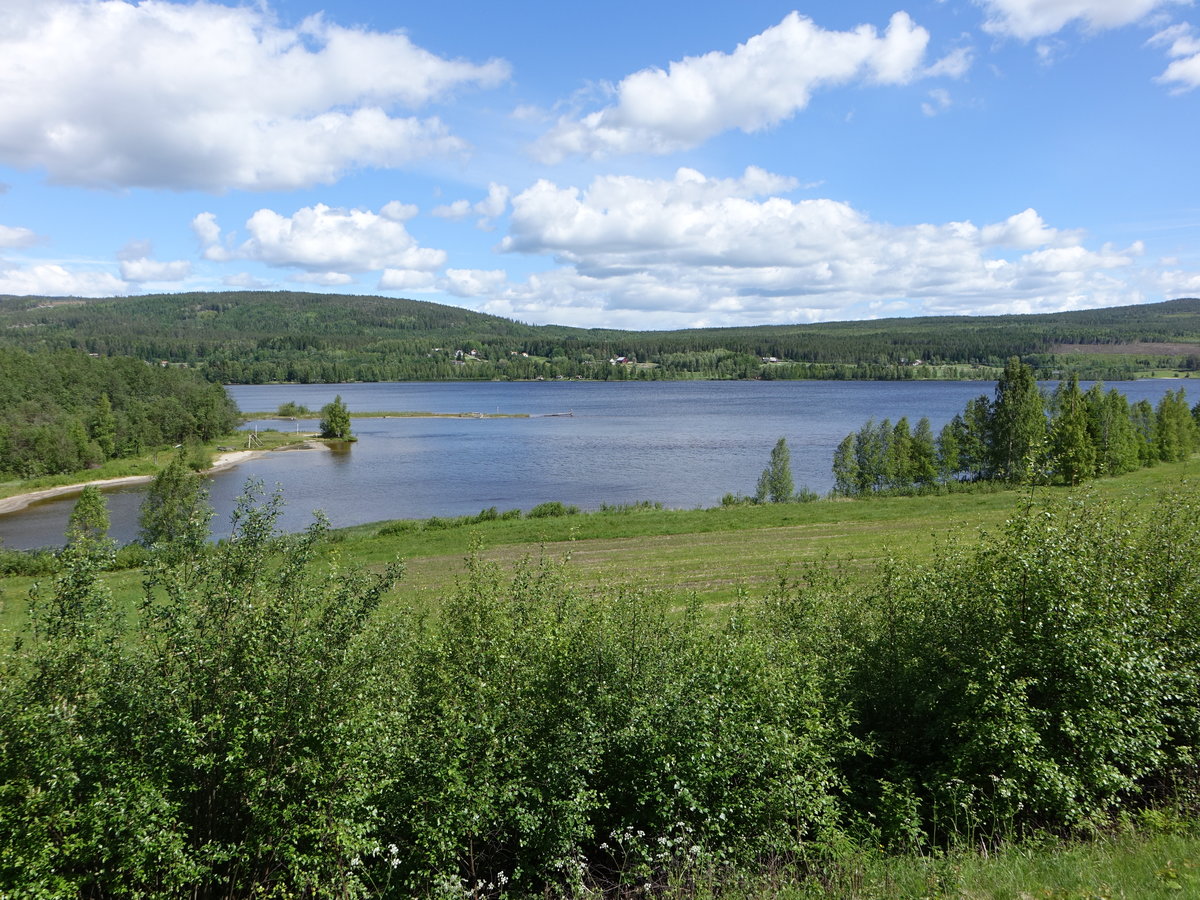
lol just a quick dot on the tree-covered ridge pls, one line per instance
(254, 337)
(1020, 436)
(64, 411)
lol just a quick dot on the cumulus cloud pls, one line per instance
(245, 280)
(1183, 46)
(762, 82)
(1025, 231)
(54, 280)
(324, 279)
(1028, 19)
(488, 209)
(14, 238)
(213, 97)
(144, 269)
(323, 239)
(473, 282)
(695, 251)
(406, 280)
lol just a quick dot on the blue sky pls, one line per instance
(616, 164)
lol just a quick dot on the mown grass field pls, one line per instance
(718, 555)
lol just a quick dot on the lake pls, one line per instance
(681, 443)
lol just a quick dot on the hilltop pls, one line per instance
(256, 336)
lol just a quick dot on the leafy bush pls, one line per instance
(551, 509)
(42, 561)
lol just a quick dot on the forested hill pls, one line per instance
(305, 337)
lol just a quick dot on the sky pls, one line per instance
(641, 165)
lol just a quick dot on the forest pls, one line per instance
(1021, 436)
(67, 411)
(259, 337)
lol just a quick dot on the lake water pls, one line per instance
(682, 443)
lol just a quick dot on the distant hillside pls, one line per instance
(304, 337)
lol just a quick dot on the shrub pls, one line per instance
(551, 509)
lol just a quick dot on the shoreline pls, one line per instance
(226, 460)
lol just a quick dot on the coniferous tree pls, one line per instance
(1072, 453)
(1017, 424)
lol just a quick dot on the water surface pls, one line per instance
(683, 444)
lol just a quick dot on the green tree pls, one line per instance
(1112, 431)
(948, 454)
(335, 420)
(1072, 453)
(104, 427)
(89, 518)
(1017, 424)
(1175, 433)
(924, 454)
(775, 483)
(845, 468)
(898, 464)
(176, 511)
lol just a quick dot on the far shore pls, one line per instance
(226, 460)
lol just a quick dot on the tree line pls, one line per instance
(1021, 434)
(64, 411)
(256, 337)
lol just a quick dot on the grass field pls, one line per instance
(716, 555)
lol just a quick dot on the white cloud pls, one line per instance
(57, 281)
(939, 101)
(1026, 230)
(208, 96)
(694, 251)
(144, 269)
(455, 211)
(323, 240)
(488, 209)
(764, 81)
(473, 282)
(1027, 19)
(325, 279)
(1184, 47)
(406, 280)
(14, 238)
(245, 280)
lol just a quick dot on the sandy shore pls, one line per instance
(221, 462)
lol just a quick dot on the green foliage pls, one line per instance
(66, 411)
(1011, 440)
(1032, 682)
(261, 727)
(258, 337)
(293, 410)
(335, 420)
(218, 746)
(775, 482)
(1016, 426)
(175, 511)
(551, 509)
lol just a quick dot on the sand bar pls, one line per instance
(222, 461)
